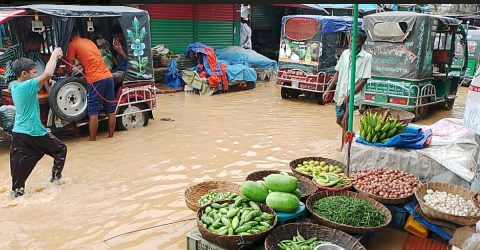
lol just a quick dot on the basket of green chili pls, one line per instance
(348, 211)
(308, 236)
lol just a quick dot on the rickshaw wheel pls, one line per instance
(284, 93)
(136, 120)
(68, 98)
(449, 103)
(319, 97)
(294, 93)
(421, 112)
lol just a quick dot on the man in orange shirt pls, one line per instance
(99, 79)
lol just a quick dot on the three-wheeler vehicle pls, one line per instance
(310, 46)
(412, 56)
(65, 105)
(473, 41)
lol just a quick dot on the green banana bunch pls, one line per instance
(377, 128)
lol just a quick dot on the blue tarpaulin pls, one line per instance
(239, 72)
(247, 57)
(410, 207)
(361, 7)
(206, 52)
(329, 24)
(412, 137)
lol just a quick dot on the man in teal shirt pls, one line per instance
(30, 140)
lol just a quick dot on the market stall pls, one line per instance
(326, 204)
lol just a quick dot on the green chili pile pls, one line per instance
(349, 211)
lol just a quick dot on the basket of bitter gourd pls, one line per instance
(378, 128)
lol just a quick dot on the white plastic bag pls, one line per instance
(471, 117)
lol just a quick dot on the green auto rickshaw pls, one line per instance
(412, 60)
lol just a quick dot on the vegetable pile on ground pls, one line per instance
(242, 217)
(279, 191)
(298, 242)
(332, 180)
(349, 211)
(385, 182)
(311, 168)
(453, 204)
(214, 196)
(377, 128)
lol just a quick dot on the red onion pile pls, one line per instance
(385, 182)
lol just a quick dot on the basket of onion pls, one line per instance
(388, 186)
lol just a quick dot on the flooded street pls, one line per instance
(137, 179)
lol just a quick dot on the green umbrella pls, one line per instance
(353, 53)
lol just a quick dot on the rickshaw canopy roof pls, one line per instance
(399, 16)
(78, 10)
(330, 24)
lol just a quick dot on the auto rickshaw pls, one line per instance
(412, 56)
(309, 50)
(473, 38)
(65, 105)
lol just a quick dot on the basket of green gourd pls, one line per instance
(348, 211)
(237, 224)
(305, 186)
(206, 192)
(278, 191)
(308, 235)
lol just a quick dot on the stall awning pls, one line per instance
(7, 14)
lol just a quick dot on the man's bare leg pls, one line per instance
(111, 124)
(339, 122)
(92, 127)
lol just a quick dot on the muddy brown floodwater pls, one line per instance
(137, 179)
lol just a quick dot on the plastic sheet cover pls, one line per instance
(450, 158)
(247, 57)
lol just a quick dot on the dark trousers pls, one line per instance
(26, 151)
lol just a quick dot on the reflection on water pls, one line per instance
(137, 179)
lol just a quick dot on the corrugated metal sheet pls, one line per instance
(169, 11)
(215, 12)
(216, 33)
(262, 16)
(175, 34)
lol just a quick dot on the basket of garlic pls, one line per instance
(448, 202)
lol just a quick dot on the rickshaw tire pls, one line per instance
(319, 97)
(449, 104)
(294, 93)
(284, 93)
(52, 98)
(421, 112)
(146, 116)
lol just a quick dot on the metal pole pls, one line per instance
(353, 53)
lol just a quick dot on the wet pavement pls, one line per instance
(137, 178)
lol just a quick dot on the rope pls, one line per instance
(142, 229)
(93, 86)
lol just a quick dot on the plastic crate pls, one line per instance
(195, 241)
(399, 216)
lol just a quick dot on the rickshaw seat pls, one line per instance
(42, 98)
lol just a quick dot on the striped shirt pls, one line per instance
(13, 53)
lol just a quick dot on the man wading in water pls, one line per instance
(99, 79)
(342, 79)
(30, 140)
